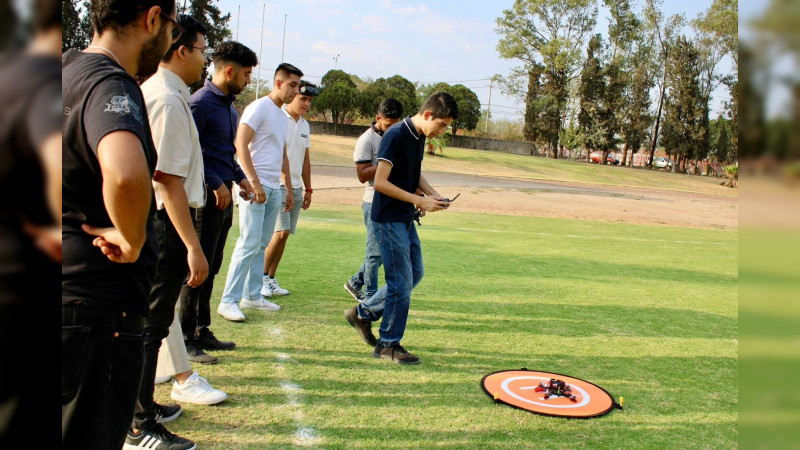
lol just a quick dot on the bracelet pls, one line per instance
(310, 191)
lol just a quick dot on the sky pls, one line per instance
(428, 42)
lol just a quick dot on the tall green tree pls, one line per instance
(76, 29)
(205, 12)
(662, 31)
(594, 112)
(637, 118)
(549, 33)
(395, 87)
(685, 130)
(338, 96)
(469, 106)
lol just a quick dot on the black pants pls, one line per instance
(173, 271)
(101, 367)
(196, 302)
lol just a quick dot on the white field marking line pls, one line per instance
(573, 236)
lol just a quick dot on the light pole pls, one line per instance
(261, 47)
(336, 62)
(284, 36)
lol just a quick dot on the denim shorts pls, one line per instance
(288, 220)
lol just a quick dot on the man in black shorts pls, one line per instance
(109, 242)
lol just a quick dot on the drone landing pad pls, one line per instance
(517, 388)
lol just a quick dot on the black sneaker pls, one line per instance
(167, 413)
(395, 353)
(157, 438)
(208, 341)
(363, 327)
(196, 354)
(355, 293)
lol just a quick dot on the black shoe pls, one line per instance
(395, 353)
(167, 413)
(208, 341)
(363, 327)
(196, 354)
(156, 438)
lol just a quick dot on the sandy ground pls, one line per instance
(339, 185)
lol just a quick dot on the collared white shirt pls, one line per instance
(175, 134)
(298, 139)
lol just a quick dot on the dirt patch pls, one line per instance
(338, 185)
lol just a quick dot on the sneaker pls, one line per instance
(162, 379)
(355, 293)
(264, 305)
(156, 438)
(196, 354)
(266, 290)
(208, 341)
(231, 312)
(395, 353)
(363, 327)
(196, 390)
(167, 413)
(275, 287)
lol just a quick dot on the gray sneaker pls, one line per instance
(196, 354)
(355, 293)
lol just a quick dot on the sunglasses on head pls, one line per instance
(309, 90)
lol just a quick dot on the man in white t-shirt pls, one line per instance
(261, 149)
(298, 143)
(365, 156)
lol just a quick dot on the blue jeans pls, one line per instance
(402, 262)
(367, 274)
(256, 224)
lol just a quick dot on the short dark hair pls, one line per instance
(442, 105)
(234, 52)
(46, 15)
(190, 27)
(288, 69)
(117, 14)
(391, 108)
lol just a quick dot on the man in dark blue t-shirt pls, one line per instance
(397, 180)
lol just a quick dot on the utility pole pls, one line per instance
(238, 17)
(489, 105)
(336, 62)
(261, 47)
(283, 48)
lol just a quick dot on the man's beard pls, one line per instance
(234, 88)
(152, 52)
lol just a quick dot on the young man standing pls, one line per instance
(217, 121)
(397, 179)
(109, 242)
(365, 156)
(298, 143)
(180, 193)
(261, 148)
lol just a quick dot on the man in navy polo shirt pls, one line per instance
(396, 182)
(217, 121)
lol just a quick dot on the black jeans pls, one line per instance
(214, 225)
(173, 271)
(101, 366)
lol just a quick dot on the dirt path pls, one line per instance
(338, 185)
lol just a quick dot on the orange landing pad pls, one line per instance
(517, 388)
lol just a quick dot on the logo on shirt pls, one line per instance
(122, 104)
(304, 136)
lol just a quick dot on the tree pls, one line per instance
(593, 115)
(685, 131)
(395, 87)
(338, 96)
(637, 117)
(76, 29)
(663, 33)
(547, 33)
(217, 25)
(469, 106)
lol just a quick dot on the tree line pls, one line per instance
(646, 84)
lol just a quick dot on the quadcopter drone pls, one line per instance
(556, 387)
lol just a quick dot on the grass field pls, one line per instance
(649, 315)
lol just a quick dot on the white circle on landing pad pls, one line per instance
(505, 383)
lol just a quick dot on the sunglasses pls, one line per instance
(309, 90)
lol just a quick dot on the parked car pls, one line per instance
(597, 156)
(663, 163)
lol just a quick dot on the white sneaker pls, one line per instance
(264, 305)
(266, 290)
(231, 312)
(162, 379)
(196, 390)
(275, 287)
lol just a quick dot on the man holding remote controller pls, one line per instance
(397, 179)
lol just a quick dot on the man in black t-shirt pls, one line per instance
(109, 246)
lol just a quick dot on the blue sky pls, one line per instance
(451, 41)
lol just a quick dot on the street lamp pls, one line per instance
(336, 62)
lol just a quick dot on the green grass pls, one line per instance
(650, 315)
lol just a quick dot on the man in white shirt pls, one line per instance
(261, 149)
(298, 143)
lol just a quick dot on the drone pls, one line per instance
(556, 387)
